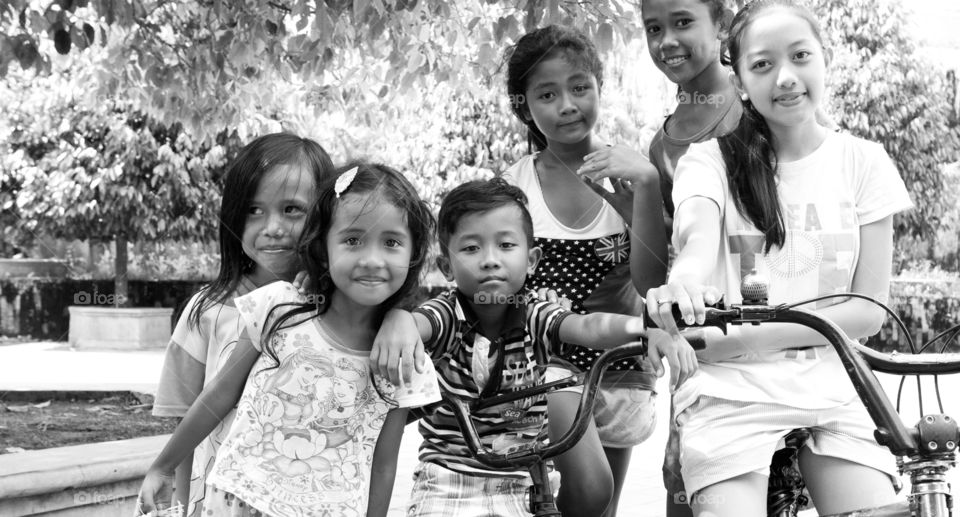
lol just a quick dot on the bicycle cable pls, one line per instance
(943, 348)
(909, 339)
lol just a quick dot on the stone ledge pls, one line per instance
(124, 328)
(93, 479)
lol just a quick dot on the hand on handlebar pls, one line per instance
(676, 300)
(678, 353)
(553, 297)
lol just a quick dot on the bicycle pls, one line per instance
(925, 452)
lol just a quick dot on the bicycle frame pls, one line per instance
(542, 502)
(925, 452)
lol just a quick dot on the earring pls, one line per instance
(744, 97)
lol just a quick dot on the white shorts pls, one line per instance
(721, 439)
(625, 416)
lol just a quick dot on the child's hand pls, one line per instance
(551, 296)
(625, 168)
(618, 162)
(302, 282)
(397, 340)
(678, 353)
(156, 492)
(691, 299)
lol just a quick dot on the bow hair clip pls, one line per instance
(344, 181)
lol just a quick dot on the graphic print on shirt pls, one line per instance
(518, 416)
(809, 250)
(615, 248)
(307, 416)
(578, 268)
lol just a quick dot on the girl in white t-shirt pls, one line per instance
(313, 433)
(266, 191)
(811, 210)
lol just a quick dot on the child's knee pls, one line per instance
(586, 494)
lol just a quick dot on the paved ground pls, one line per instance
(53, 366)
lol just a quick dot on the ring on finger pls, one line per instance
(663, 301)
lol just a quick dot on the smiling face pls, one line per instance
(682, 37)
(275, 220)
(369, 248)
(782, 68)
(563, 100)
(308, 374)
(344, 391)
(488, 255)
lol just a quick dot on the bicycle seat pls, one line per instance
(786, 491)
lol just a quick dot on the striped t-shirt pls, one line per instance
(519, 356)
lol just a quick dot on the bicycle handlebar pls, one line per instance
(858, 360)
(539, 451)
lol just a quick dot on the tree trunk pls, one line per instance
(120, 288)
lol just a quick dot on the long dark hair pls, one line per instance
(532, 49)
(390, 186)
(748, 152)
(239, 188)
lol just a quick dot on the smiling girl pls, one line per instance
(810, 209)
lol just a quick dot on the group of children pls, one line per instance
(295, 418)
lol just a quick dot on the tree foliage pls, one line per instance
(101, 172)
(415, 83)
(204, 63)
(93, 172)
(885, 91)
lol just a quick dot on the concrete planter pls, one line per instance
(32, 268)
(96, 480)
(124, 328)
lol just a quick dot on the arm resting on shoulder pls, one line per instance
(400, 339)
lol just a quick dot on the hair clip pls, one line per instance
(344, 181)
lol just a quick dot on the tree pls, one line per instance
(103, 172)
(209, 65)
(205, 62)
(884, 90)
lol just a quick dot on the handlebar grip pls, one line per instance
(696, 339)
(716, 316)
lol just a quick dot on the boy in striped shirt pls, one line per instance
(490, 336)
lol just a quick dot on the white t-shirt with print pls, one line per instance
(845, 183)
(303, 438)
